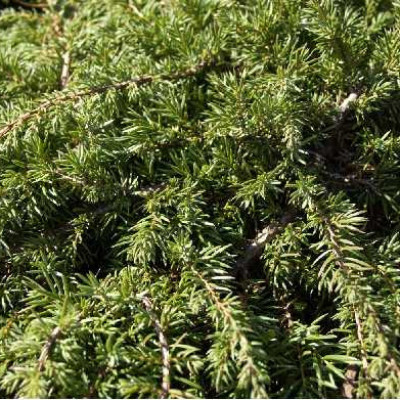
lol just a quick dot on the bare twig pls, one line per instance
(150, 189)
(345, 104)
(165, 384)
(46, 349)
(66, 58)
(134, 9)
(393, 365)
(343, 111)
(255, 248)
(350, 381)
(55, 334)
(59, 33)
(288, 317)
(138, 81)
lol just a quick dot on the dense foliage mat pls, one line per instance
(200, 198)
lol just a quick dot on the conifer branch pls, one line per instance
(238, 331)
(255, 248)
(162, 338)
(350, 375)
(351, 372)
(216, 299)
(337, 251)
(393, 365)
(362, 343)
(340, 260)
(288, 322)
(55, 334)
(50, 342)
(73, 96)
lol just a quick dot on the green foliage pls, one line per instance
(200, 198)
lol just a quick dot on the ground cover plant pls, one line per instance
(200, 198)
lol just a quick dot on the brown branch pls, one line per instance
(55, 334)
(165, 384)
(255, 248)
(46, 349)
(138, 82)
(134, 9)
(66, 58)
(348, 386)
(287, 313)
(393, 365)
(150, 189)
(59, 33)
(343, 108)
(345, 104)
